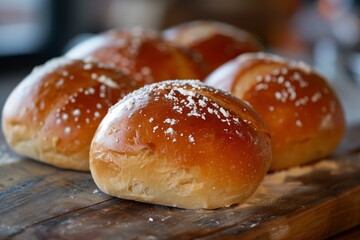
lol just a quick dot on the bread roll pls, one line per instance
(143, 55)
(217, 42)
(303, 114)
(52, 115)
(183, 144)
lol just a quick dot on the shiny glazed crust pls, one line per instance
(216, 42)
(302, 112)
(183, 144)
(143, 55)
(52, 115)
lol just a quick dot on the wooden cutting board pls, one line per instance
(311, 202)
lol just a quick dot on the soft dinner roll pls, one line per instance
(183, 144)
(217, 42)
(142, 55)
(303, 114)
(52, 115)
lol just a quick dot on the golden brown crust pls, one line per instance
(53, 114)
(303, 114)
(216, 42)
(142, 55)
(180, 143)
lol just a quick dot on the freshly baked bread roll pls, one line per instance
(303, 114)
(217, 42)
(143, 55)
(180, 143)
(52, 115)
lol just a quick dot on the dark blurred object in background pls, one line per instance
(25, 26)
(25, 30)
(33, 31)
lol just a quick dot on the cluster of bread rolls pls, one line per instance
(167, 141)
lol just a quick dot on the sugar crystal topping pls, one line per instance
(290, 84)
(188, 98)
(128, 45)
(72, 111)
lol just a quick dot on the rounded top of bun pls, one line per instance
(175, 131)
(54, 112)
(217, 42)
(141, 54)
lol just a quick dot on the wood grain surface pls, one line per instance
(310, 202)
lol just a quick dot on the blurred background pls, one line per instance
(323, 33)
